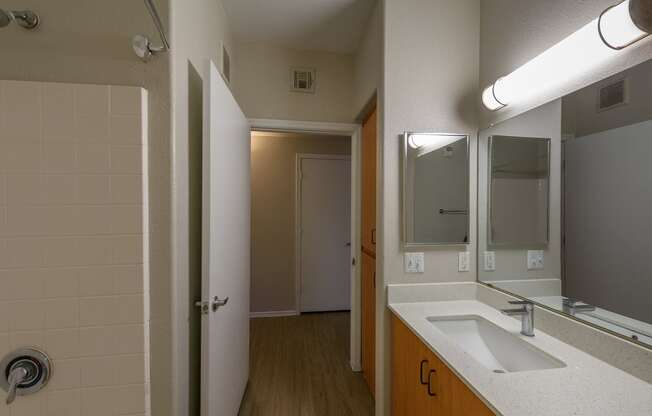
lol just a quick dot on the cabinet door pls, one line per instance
(410, 372)
(369, 143)
(368, 311)
(464, 402)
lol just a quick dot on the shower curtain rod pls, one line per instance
(157, 22)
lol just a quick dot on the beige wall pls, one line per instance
(73, 279)
(534, 27)
(262, 84)
(431, 64)
(368, 61)
(198, 29)
(273, 169)
(89, 42)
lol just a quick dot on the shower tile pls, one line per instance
(20, 339)
(126, 189)
(128, 279)
(91, 99)
(28, 406)
(126, 159)
(126, 129)
(23, 284)
(91, 127)
(98, 371)
(127, 249)
(62, 403)
(24, 189)
(128, 309)
(62, 313)
(58, 158)
(98, 401)
(3, 189)
(68, 375)
(61, 283)
(58, 189)
(130, 399)
(96, 281)
(62, 343)
(125, 100)
(97, 311)
(94, 189)
(130, 369)
(58, 112)
(4, 317)
(93, 158)
(27, 315)
(127, 219)
(21, 157)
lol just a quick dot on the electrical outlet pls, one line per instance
(414, 263)
(489, 261)
(535, 259)
(463, 260)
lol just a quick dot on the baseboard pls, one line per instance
(272, 314)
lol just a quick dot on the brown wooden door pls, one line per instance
(369, 320)
(369, 143)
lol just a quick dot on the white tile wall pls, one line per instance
(72, 272)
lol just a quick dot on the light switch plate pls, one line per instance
(489, 261)
(414, 263)
(463, 260)
(535, 259)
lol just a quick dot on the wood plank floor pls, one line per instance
(300, 367)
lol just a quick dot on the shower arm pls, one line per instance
(159, 26)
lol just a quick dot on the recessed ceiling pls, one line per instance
(317, 25)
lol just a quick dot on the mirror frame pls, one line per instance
(529, 245)
(412, 246)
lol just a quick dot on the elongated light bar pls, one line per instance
(617, 27)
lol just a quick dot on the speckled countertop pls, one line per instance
(585, 387)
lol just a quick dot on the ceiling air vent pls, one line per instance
(612, 95)
(303, 80)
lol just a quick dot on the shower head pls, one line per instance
(5, 18)
(144, 48)
(26, 19)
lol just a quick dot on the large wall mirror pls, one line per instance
(594, 265)
(435, 189)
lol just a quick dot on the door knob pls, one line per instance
(217, 302)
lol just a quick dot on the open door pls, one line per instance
(225, 250)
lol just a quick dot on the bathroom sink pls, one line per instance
(495, 348)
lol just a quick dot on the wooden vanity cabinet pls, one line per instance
(423, 385)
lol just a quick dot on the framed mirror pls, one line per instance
(435, 189)
(519, 183)
(595, 266)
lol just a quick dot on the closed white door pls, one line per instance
(225, 250)
(324, 232)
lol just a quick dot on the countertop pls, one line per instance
(585, 387)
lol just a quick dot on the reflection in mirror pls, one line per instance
(596, 265)
(435, 189)
(518, 191)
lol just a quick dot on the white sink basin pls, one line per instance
(495, 348)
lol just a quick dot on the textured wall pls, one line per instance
(262, 84)
(273, 170)
(72, 275)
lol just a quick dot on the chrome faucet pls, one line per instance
(526, 313)
(574, 306)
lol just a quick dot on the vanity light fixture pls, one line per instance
(618, 27)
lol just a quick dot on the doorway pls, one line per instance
(323, 232)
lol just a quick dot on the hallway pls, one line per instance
(300, 367)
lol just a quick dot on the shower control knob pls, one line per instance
(24, 371)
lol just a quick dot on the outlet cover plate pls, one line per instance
(463, 260)
(535, 260)
(489, 261)
(414, 263)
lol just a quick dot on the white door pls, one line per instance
(325, 232)
(225, 249)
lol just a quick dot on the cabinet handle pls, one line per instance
(373, 236)
(431, 393)
(424, 382)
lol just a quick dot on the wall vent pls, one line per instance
(612, 95)
(303, 80)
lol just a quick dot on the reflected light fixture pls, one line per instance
(618, 27)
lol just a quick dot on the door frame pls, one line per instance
(354, 131)
(298, 276)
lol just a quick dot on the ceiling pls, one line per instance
(317, 25)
